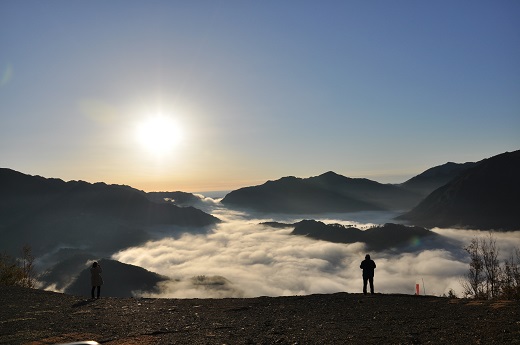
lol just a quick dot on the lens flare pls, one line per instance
(415, 241)
(6, 75)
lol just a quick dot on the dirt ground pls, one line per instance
(38, 317)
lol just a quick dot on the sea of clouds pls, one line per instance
(242, 258)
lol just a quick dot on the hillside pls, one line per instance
(482, 197)
(73, 276)
(38, 317)
(51, 213)
(325, 193)
(433, 178)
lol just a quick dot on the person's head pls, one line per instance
(367, 256)
(94, 264)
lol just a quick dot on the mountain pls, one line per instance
(325, 193)
(71, 274)
(485, 196)
(435, 177)
(177, 198)
(65, 265)
(120, 280)
(49, 213)
(386, 237)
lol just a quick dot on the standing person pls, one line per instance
(368, 265)
(95, 278)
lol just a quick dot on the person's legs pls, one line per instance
(371, 280)
(92, 292)
(365, 285)
(98, 291)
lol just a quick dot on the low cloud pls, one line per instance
(506, 241)
(241, 258)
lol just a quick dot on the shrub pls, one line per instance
(17, 271)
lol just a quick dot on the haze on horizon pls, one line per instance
(199, 96)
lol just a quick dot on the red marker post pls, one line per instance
(417, 289)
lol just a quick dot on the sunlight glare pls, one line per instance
(158, 134)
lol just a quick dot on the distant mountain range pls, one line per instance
(480, 195)
(485, 196)
(50, 213)
(393, 237)
(331, 192)
(67, 224)
(325, 193)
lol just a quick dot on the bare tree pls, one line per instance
(489, 253)
(472, 282)
(27, 266)
(486, 277)
(510, 282)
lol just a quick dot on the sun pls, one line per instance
(158, 134)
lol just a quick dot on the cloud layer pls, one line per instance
(241, 258)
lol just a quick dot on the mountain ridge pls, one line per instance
(387, 237)
(482, 197)
(52, 212)
(435, 177)
(328, 192)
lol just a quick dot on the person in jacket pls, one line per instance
(368, 265)
(96, 279)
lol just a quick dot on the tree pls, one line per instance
(511, 276)
(472, 282)
(486, 277)
(489, 254)
(27, 266)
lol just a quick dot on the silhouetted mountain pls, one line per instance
(485, 196)
(385, 237)
(177, 198)
(51, 213)
(435, 177)
(120, 280)
(279, 225)
(328, 192)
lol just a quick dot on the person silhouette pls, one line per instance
(368, 265)
(96, 279)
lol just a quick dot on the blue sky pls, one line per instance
(256, 90)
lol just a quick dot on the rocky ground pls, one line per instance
(38, 317)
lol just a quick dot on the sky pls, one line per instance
(217, 95)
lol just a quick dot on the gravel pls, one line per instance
(37, 317)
